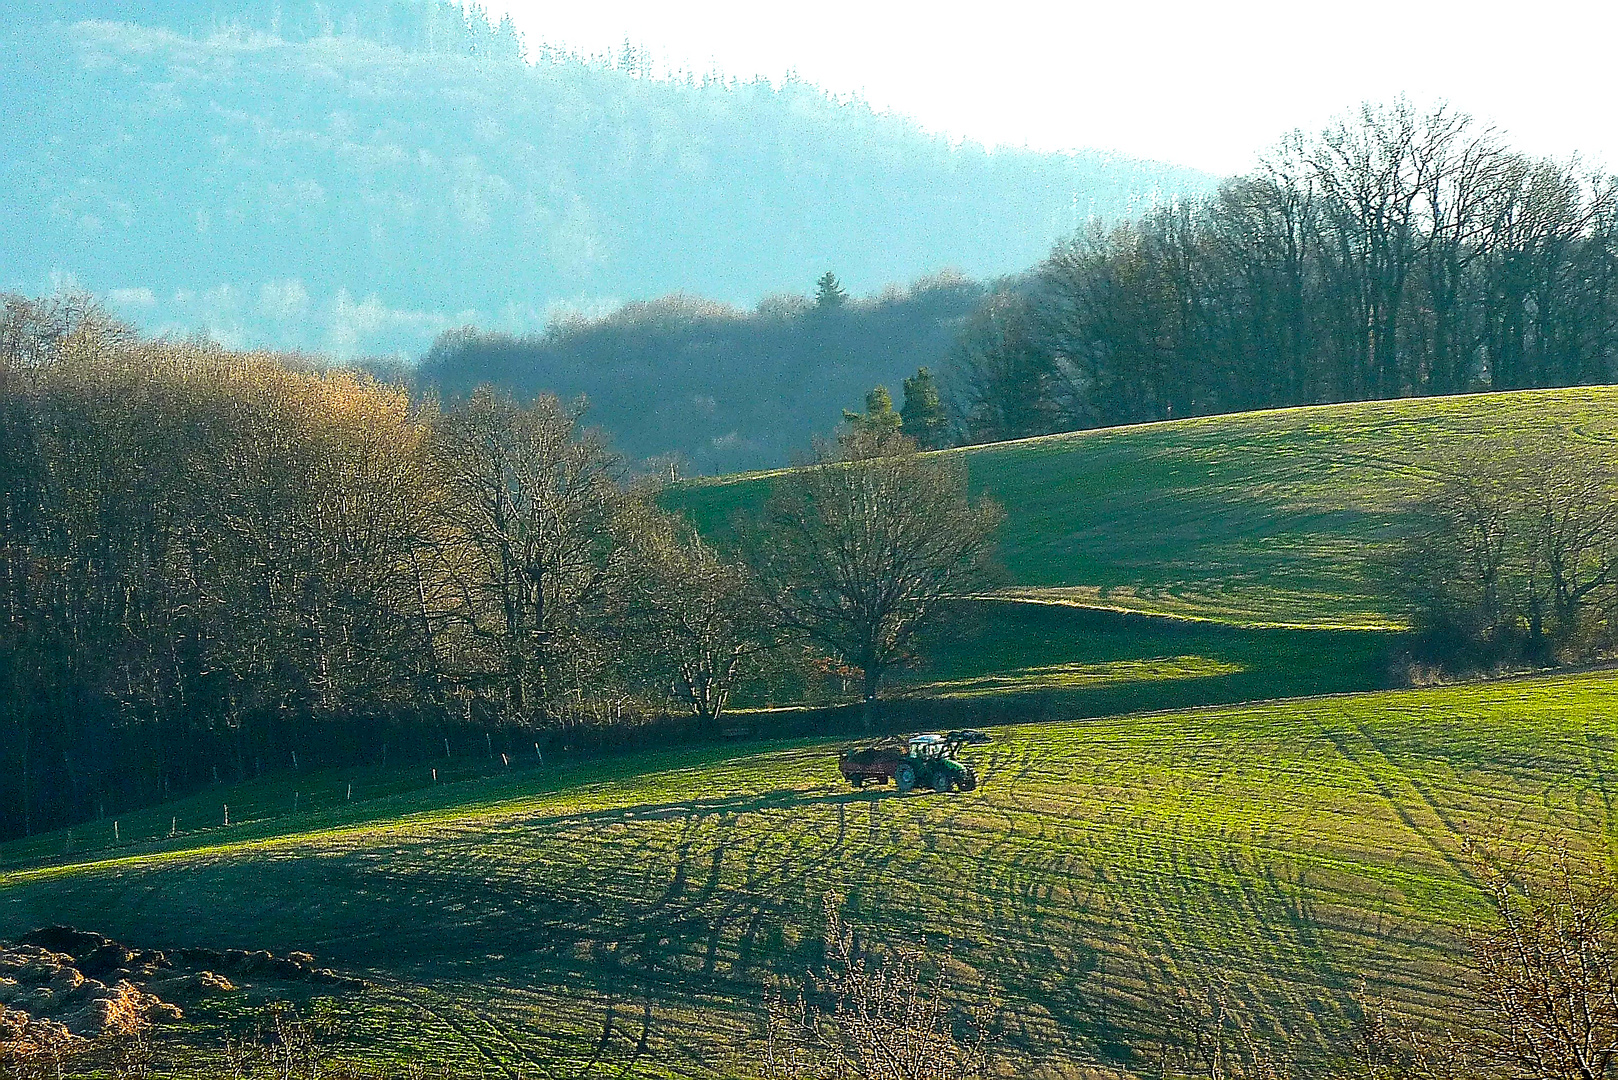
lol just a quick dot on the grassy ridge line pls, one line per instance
(1150, 663)
(1073, 597)
(1272, 517)
(1010, 661)
(454, 800)
(1284, 847)
(1289, 412)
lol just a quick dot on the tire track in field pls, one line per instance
(438, 1008)
(1600, 769)
(1583, 431)
(1406, 809)
(1422, 790)
(488, 1038)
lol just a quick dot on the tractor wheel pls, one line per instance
(904, 777)
(855, 781)
(943, 782)
(969, 780)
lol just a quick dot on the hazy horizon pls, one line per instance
(1203, 86)
(332, 196)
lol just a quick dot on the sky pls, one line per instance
(1206, 84)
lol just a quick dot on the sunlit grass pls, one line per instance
(1275, 518)
(1080, 676)
(1287, 848)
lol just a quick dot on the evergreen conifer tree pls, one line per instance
(879, 417)
(923, 412)
(829, 292)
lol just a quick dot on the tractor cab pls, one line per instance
(928, 747)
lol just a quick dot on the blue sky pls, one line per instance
(1196, 83)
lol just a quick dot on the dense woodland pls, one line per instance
(1396, 253)
(353, 177)
(711, 388)
(211, 561)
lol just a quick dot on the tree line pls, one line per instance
(708, 388)
(202, 551)
(1515, 559)
(1396, 253)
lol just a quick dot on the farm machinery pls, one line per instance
(930, 761)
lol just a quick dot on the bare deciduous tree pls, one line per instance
(1547, 1003)
(533, 505)
(1541, 994)
(1521, 555)
(859, 549)
(690, 617)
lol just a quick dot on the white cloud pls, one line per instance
(283, 299)
(132, 298)
(353, 328)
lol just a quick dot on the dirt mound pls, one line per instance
(47, 1001)
(60, 986)
(96, 954)
(294, 967)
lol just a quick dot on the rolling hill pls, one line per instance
(1126, 854)
(354, 177)
(626, 913)
(1253, 519)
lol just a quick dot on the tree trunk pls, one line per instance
(873, 676)
(27, 808)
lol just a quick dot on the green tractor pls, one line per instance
(929, 761)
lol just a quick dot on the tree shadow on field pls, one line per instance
(600, 934)
(779, 799)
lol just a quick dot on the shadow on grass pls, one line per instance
(780, 799)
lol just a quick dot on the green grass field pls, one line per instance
(1074, 661)
(1266, 518)
(627, 911)
(1198, 602)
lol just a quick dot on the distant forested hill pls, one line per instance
(356, 177)
(719, 389)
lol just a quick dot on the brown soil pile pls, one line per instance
(45, 1002)
(98, 955)
(60, 986)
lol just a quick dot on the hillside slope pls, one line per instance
(631, 911)
(355, 177)
(1267, 518)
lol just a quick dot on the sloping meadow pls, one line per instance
(1104, 871)
(1259, 519)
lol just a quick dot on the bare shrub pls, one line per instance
(1209, 1033)
(875, 1016)
(1541, 996)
